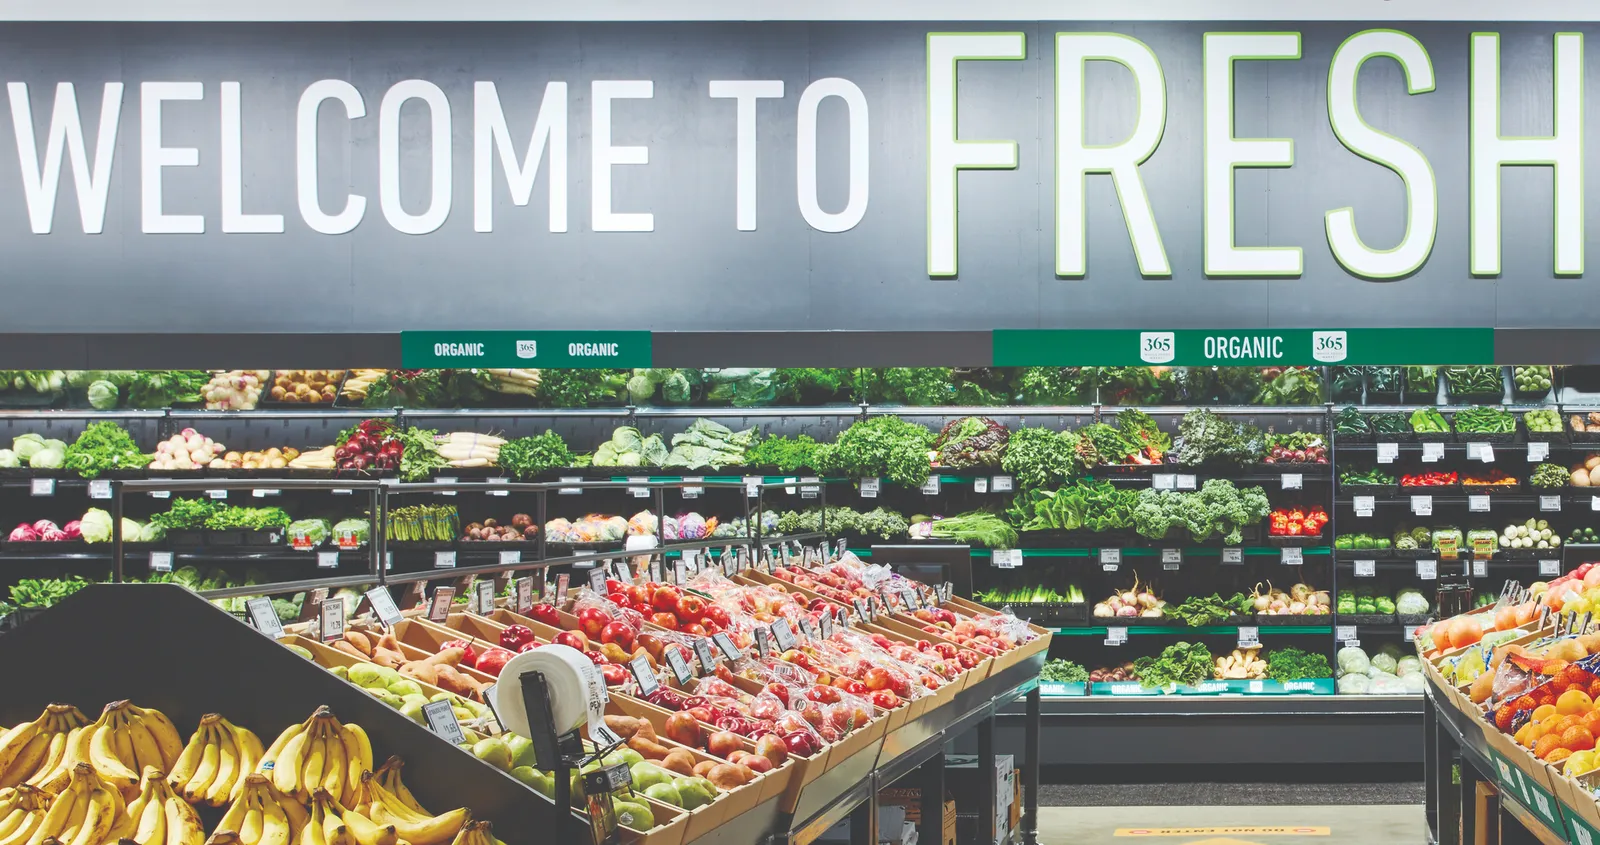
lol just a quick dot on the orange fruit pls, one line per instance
(1574, 702)
(1594, 688)
(1544, 712)
(1577, 738)
(1559, 725)
(1590, 720)
(1546, 744)
(1558, 755)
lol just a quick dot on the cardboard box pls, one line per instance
(892, 828)
(962, 778)
(1486, 807)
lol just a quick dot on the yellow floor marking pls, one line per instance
(1213, 831)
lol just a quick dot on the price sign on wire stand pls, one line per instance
(383, 605)
(265, 617)
(439, 610)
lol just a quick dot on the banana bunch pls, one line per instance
(160, 816)
(411, 823)
(358, 382)
(319, 753)
(128, 738)
(261, 815)
(22, 809)
(211, 768)
(89, 811)
(332, 824)
(476, 833)
(32, 751)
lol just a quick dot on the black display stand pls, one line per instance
(162, 646)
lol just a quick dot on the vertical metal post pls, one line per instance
(380, 533)
(1030, 770)
(542, 507)
(987, 799)
(1333, 503)
(1430, 772)
(116, 532)
(864, 822)
(932, 829)
(661, 516)
(375, 554)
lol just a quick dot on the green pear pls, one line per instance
(521, 750)
(542, 782)
(341, 672)
(493, 751)
(421, 700)
(695, 792)
(388, 675)
(646, 775)
(388, 698)
(300, 650)
(666, 793)
(405, 687)
(634, 816)
(413, 711)
(367, 675)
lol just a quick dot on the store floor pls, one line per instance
(1233, 814)
(1371, 824)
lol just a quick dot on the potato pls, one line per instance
(1591, 462)
(1580, 477)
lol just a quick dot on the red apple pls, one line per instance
(469, 655)
(756, 763)
(771, 747)
(546, 613)
(690, 608)
(620, 633)
(615, 586)
(615, 675)
(885, 700)
(492, 661)
(639, 594)
(575, 639)
(665, 620)
(684, 730)
(718, 615)
(694, 629)
(665, 599)
(593, 620)
(946, 650)
(878, 678)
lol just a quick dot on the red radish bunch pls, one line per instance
(371, 446)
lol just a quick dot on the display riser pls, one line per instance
(1302, 733)
(162, 646)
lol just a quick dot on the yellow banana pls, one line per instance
(286, 770)
(270, 757)
(291, 806)
(206, 772)
(224, 837)
(391, 781)
(367, 832)
(358, 753)
(65, 824)
(12, 821)
(274, 825)
(227, 769)
(27, 759)
(435, 831)
(166, 735)
(189, 758)
(145, 750)
(152, 825)
(122, 741)
(250, 752)
(316, 758)
(335, 773)
(29, 808)
(333, 830)
(77, 752)
(54, 754)
(120, 830)
(250, 829)
(100, 814)
(103, 753)
(147, 783)
(25, 831)
(475, 833)
(14, 740)
(182, 823)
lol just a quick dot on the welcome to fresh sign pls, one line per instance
(1419, 173)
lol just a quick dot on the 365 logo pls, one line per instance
(527, 349)
(1329, 347)
(1157, 347)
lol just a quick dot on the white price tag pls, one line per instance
(1116, 636)
(1480, 568)
(1344, 633)
(1364, 505)
(931, 486)
(1187, 482)
(1233, 555)
(789, 488)
(810, 488)
(1172, 555)
(1013, 558)
(1427, 570)
(262, 493)
(570, 491)
(1293, 555)
(100, 489)
(1388, 452)
(1366, 568)
(217, 494)
(752, 486)
(327, 560)
(1001, 484)
(869, 488)
(495, 481)
(510, 556)
(483, 593)
(444, 560)
(439, 610)
(331, 616)
(1538, 450)
(160, 561)
(1163, 481)
(383, 605)
(1110, 555)
(264, 616)
(524, 594)
(1549, 567)
(692, 492)
(442, 480)
(980, 485)
(1548, 504)
(1410, 633)
(343, 491)
(1478, 503)
(1432, 452)
(1294, 481)
(1422, 505)
(1249, 637)
(442, 721)
(639, 491)
(1480, 452)
(43, 487)
(1594, 503)
(160, 494)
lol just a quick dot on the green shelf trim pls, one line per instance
(1179, 630)
(1141, 551)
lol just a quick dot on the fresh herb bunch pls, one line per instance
(1040, 457)
(1197, 611)
(971, 442)
(1056, 385)
(1179, 663)
(786, 453)
(254, 519)
(1088, 504)
(104, 446)
(1063, 671)
(1292, 664)
(526, 457)
(881, 446)
(979, 528)
(1205, 437)
(186, 514)
(1217, 509)
(45, 592)
(565, 388)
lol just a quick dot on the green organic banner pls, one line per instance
(566, 349)
(1240, 347)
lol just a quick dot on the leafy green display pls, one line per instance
(186, 514)
(1216, 509)
(878, 522)
(1196, 611)
(1179, 663)
(1063, 671)
(1205, 437)
(104, 446)
(1293, 386)
(1040, 457)
(526, 457)
(881, 446)
(980, 528)
(1292, 664)
(45, 592)
(970, 442)
(786, 453)
(1548, 476)
(254, 519)
(1088, 504)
